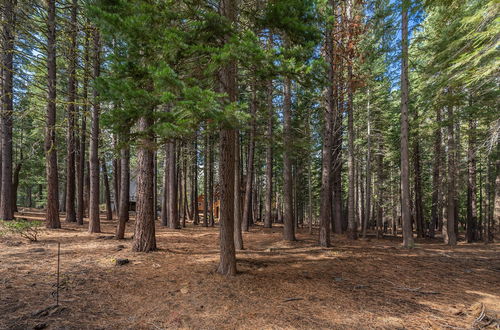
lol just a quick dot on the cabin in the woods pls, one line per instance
(216, 200)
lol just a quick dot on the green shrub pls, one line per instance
(21, 227)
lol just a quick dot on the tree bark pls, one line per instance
(205, 180)
(166, 172)
(227, 79)
(471, 234)
(94, 221)
(352, 232)
(238, 237)
(70, 137)
(451, 238)
(107, 191)
(52, 216)
(288, 216)
(325, 215)
(144, 233)
(436, 178)
(405, 182)
(123, 212)
(247, 212)
(173, 213)
(368, 208)
(6, 196)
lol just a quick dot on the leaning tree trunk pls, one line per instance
(288, 216)
(405, 180)
(94, 221)
(6, 197)
(144, 233)
(123, 215)
(52, 215)
(70, 137)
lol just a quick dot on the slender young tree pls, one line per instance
(238, 236)
(173, 213)
(123, 212)
(451, 237)
(268, 218)
(288, 216)
(405, 180)
(50, 134)
(247, 205)
(107, 190)
(71, 112)
(94, 221)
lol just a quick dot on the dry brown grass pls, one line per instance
(353, 285)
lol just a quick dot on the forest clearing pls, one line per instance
(371, 283)
(253, 164)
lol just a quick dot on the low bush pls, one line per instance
(21, 227)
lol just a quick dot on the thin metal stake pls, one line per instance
(58, 263)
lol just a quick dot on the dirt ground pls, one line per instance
(366, 284)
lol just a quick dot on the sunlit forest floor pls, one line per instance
(365, 284)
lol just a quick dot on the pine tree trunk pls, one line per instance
(247, 213)
(15, 183)
(211, 181)
(451, 238)
(471, 234)
(94, 221)
(268, 218)
(6, 196)
(238, 237)
(173, 213)
(80, 176)
(107, 191)
(52, 216)
(351, 220)
(405, 180)
(205, 180)
(227, 79)
(325, 212)
(166, 172)
(70, 137)
(144, 233)
(194, 193)
(419, 210)
(288, 216)
(380, 191)
(123, 212)
(116, 177)
(436, 178)
(366, 218)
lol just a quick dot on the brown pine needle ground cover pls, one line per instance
(366, 284)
